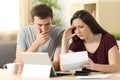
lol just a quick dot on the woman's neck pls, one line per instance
(93, 38)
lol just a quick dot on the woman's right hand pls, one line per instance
(68, 34)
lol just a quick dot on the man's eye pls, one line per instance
(40, 25)
(47, 24)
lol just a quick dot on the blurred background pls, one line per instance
(15, 14)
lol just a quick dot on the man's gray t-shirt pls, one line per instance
(27, 35)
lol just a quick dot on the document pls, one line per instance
(75, 60)
(94, 76)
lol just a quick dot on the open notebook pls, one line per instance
(39, 65)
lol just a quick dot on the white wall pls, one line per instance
(65, 11)
(9, 15)
(108, 15)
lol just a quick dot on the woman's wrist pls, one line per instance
(65, 41)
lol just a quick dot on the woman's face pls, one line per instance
(81, 29)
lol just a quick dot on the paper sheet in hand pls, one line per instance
(73, 60)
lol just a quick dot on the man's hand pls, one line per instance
(42, 37)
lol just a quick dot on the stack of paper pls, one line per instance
(95, 76)
(75, 60)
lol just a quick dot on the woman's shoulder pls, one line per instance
(107, 36)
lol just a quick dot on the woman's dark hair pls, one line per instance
(42, 11)
(89, 20)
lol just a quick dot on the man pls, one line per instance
(42, 36)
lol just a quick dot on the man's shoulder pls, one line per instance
(56, 31)
(26, 28)
(57, 28)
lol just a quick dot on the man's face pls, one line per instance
(42, 25)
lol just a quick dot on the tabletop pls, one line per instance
(4, 75)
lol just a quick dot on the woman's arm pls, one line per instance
(111, 67)
(67, 35)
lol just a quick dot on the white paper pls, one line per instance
(95, 76)
(73, 60)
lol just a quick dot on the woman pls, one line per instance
(88, 35)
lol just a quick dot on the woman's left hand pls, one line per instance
(89, 65)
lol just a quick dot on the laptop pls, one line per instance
(42, 60)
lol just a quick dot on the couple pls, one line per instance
(85, 32)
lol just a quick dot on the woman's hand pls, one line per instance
(89, 65)
(68, 34)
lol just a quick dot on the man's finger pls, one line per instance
(38, 30)
(46, 32)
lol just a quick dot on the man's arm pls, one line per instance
(19, 60)
(33, 48)
(56, 57)
(56, 60)
(41, 38)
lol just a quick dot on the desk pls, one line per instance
(5, 76)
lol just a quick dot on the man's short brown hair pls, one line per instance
(42, 11)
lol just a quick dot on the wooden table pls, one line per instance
(4, 75)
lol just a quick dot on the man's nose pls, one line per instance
(44, 28)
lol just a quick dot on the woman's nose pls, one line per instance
(77, 30)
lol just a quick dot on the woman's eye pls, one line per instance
(80, 26)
